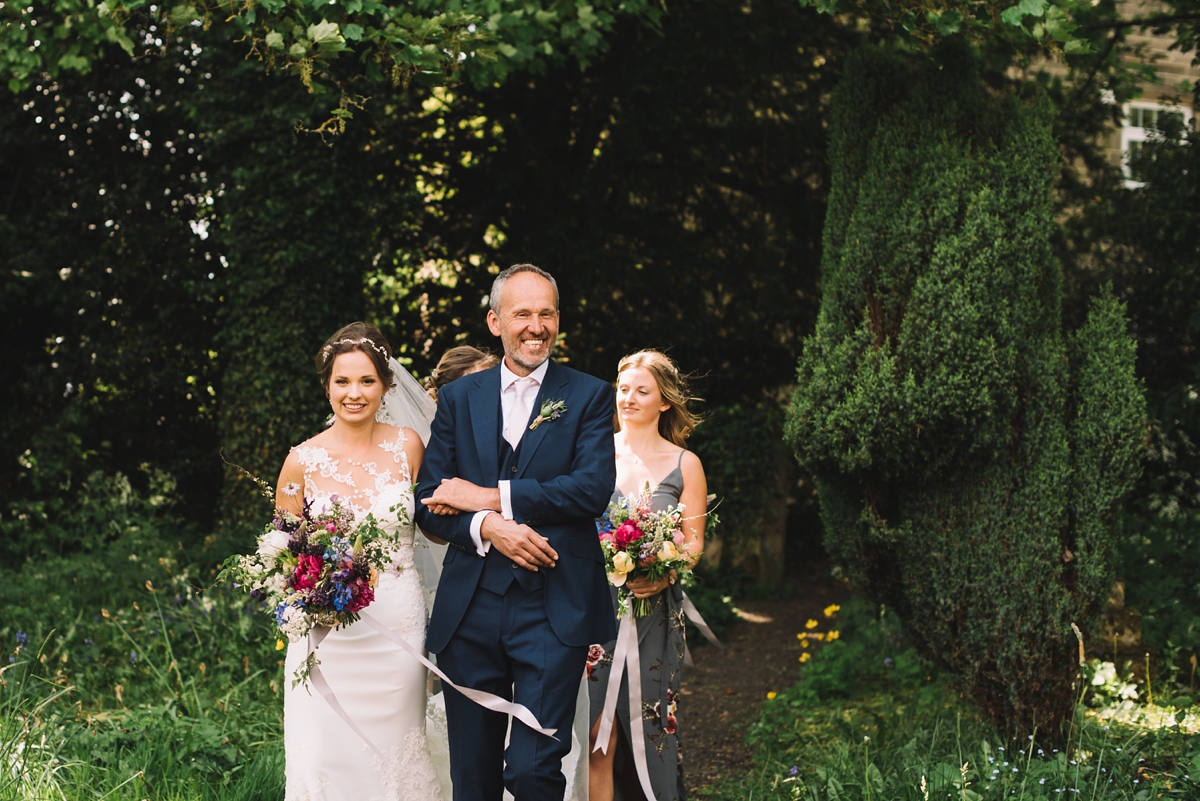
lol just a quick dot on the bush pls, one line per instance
(969, 456)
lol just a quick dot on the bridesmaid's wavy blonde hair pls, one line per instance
(678, 422)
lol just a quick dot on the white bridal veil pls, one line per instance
(407, 404)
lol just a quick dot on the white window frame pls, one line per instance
(1131, 134)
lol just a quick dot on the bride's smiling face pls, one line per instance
(639, 400)
(355, 390)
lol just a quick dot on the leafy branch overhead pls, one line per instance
(1057, 27)
(323, 41)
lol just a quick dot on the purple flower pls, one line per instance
(889, 662)
(133, 657)
(22, 639)
(794, 771)
(88, 641)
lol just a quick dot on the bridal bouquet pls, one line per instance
(313, 569)
(640, 542)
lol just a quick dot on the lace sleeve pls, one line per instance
(399, 455)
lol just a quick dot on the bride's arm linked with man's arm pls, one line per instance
(580, 494)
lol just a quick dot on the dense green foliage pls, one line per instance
(1145, 241)
(347, 46)
(175, 259)
(969, 456)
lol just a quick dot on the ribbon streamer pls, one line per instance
(484, 699)
(626, 653)
(693, 614)
(319, 633)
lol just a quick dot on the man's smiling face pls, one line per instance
(527, 323)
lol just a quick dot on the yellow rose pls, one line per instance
(617, 579)
(622, 563)
(668, 551)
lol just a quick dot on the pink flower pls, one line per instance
(331, 527)
(677, 537)
(595, 654)
(361, 594)
(627, 533)
(308, 571)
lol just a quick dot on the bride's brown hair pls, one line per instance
(678, 422)
(356, 336)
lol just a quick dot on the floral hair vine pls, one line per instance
(328, 349)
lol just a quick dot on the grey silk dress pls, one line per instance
(661, 648)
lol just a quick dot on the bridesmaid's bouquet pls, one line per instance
(313, 569)
(639, 542)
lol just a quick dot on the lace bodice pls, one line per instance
(382, 488)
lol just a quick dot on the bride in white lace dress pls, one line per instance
(369, 465)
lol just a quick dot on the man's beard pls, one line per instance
(514, 351)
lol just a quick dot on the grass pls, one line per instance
(174, 698)
(867, 722)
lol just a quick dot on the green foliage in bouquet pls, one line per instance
(970, 455)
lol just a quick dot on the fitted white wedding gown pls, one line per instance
(381, 688)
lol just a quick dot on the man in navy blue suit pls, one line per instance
(519, 464)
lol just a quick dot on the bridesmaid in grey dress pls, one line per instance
(653, 424)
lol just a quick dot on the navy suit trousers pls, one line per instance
(505, 645)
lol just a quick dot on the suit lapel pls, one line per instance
(484, 408)
(553, 388)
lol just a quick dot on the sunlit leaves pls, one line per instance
(1029, 25)
(394, 42)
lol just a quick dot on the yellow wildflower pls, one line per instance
(771, 696)
(833, 635)
(804, 657)
(279, 645)
(804, 643)
(817, 635)
(832, 610)
(811, 624)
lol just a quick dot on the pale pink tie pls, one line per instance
(518, 416)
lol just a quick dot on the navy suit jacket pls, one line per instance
(564, 480)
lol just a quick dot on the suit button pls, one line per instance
(515, 565)
(514, 468)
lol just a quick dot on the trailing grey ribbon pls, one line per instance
(484, 699)
(693, 614)
(315, 638)
(626, 653)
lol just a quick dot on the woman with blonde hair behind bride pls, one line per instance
(653, 423)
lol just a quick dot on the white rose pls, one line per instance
(622, 563)
(273, 543)
(668, 551)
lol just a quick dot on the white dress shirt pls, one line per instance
(517, 396)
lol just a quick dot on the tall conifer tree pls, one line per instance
(969, 454)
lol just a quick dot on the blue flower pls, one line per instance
(888, 662)
(794, 771)
(22, 639)
(88, 642)
(133, 657)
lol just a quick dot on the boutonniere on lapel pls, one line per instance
(551, 410)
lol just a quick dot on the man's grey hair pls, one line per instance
(502, 278)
